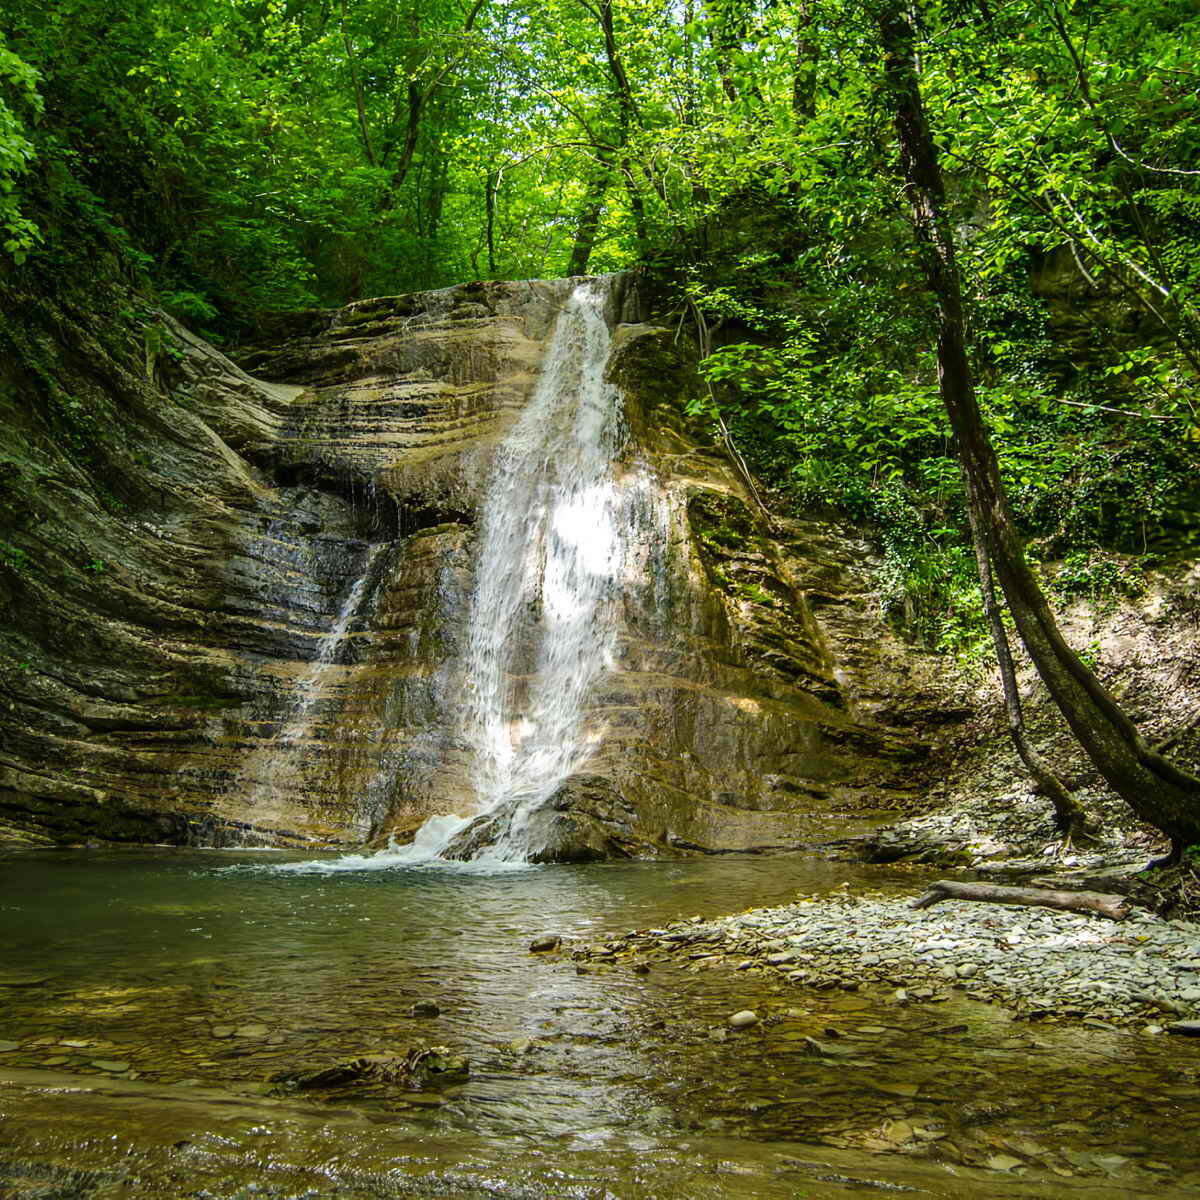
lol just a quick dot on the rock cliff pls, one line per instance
(233, 595)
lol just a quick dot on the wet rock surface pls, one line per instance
(236, 616)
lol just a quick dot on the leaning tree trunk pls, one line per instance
(1158, 791)
(1069, 813)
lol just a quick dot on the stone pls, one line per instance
(424, 1008)
(1185, 1028)
(250, 1031)
(743, 1019)
(544, 943)
(905, 1090)
(115, 1066)
(1002, 1162)
(7, 1047)
(339, 432)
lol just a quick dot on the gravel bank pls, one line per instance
(1142, 972)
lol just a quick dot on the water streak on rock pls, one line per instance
(313, 684)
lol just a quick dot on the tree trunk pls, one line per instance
(1105, 903)
(1068, 812)
(360, 104)
(490, 188)
(589, 223)
(804, 71)
(1159, 792)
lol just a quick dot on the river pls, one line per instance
(148, 997)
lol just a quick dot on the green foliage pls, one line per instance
(1097, 577)
(19, 99)
(244, 158)
(13, 557)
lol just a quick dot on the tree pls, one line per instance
(18, 83)
(1157, 790)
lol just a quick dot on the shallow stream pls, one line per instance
(147, 998)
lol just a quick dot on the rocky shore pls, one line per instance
(1143, 972)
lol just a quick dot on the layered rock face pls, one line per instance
(240, 613)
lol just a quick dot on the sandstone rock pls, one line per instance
(338, 489)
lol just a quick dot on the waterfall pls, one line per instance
(542, 627)
(543, 622)
(311, 683)
(279, 761)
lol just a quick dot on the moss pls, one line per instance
(723, 523)
(657, 369)
(755, 593)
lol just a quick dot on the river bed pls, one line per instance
(154, 1005)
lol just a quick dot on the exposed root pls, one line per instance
(1169, 890)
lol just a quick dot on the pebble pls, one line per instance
(743, 1019)
(110, 1064)
(1062, 965)
(1002, 1162)
(5, 1047)
(544, 942)
(424, 1008)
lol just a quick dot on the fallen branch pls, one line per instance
(1105, 903)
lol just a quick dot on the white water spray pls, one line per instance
(543, 622)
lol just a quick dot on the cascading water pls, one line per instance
(310, 685)
(313, 684)
(555, 541)
(550, 555)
